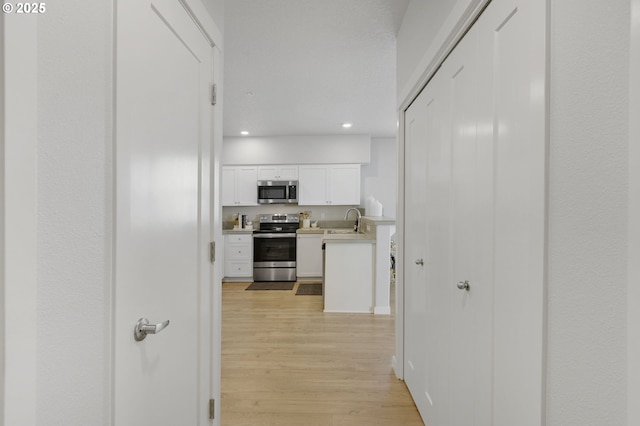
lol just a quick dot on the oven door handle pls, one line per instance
(274, 235)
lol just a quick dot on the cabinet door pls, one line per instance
(267, 172)
(344, 184)
(309, 255)
(284, 172)
(288, 172)
(313, 186)
(228, 186)
(246, 186)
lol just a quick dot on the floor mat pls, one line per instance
(313, 289)
(271, 285)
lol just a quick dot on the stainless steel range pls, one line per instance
(274, 248)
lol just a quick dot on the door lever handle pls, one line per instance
(420, 262)
(143, 328)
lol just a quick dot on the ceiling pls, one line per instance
(304, 67)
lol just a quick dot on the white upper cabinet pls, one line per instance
(313, 185)
(337, 184)
(283, 172)
(344, 184)
(239, 186)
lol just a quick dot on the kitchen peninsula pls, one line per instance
(356, 272)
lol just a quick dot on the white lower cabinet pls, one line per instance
(309, 256)
(238, 256)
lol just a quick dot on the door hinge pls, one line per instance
(212, 409)
(212, 251)
(214, 94)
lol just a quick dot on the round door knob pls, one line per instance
(463, 285)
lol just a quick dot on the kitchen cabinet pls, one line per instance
(309, 256)
(337, 184)
(239, 186)
(238, 256)
(283, 172)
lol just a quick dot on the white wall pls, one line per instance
(380, 177)
(325, 149)
(74, 212)
(587, 212)
(20, 217)
(587, 241)
(633, 303)
(216, 10)
(2, 220)
(427, 28)
(413, 33)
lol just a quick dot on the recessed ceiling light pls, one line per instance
(346, 125)
(244, 133)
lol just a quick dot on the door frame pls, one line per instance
(19, 221)
(633, 268)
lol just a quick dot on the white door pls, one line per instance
(164, 72)
(472, 288)
(513, 67)
(438, 218)
(416, 301)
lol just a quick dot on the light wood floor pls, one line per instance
(285, 362)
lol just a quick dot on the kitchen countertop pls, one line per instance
(380, 220)
(311, 230)
(341, 235)
(349, 238)
(237, 231)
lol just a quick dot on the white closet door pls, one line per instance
(416, 302)
(427, 265)
(472, 290)
(514, 91)
(439, 289)
(474, 357)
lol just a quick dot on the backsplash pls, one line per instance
(326, 216)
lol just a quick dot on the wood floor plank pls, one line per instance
(285, 362)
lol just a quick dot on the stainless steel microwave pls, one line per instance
(277, 192)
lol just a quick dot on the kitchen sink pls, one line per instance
(341, 231)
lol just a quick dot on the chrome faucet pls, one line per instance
(346, 216)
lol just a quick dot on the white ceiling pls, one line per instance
(303, 67)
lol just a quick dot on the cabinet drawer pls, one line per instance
(238, 251)
(238, 268)
(242, 238)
